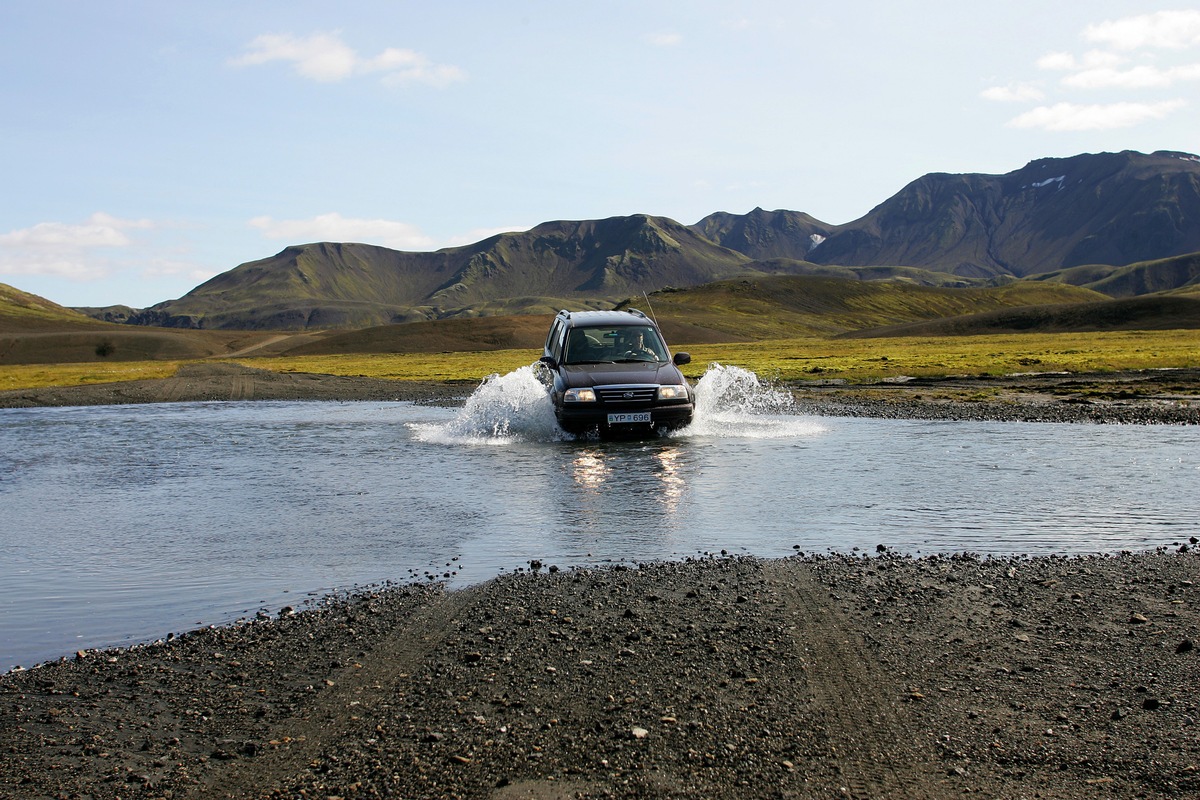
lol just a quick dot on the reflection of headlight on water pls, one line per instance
(668, 475)
(589, 470)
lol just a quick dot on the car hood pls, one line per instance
(577, 375)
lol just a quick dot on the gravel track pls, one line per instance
(814, 676)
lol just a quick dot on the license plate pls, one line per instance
(626, 419)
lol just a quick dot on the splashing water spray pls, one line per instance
(504, 409)
(731, 402)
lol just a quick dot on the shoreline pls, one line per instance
(1168, 397)
(811, 676)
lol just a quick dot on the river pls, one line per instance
(124, 523)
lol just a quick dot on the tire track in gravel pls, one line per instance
(339, 710)
(242, 388)
(875, 745)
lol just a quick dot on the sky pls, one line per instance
(148, 146)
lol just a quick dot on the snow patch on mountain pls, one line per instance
(1059, 180)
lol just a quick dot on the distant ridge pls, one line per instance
(1101, 213)
(327, 285)
(1143, 277)
(1053, 213)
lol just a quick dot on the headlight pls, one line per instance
(579, 396)
(671, 392)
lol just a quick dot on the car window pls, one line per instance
(614, 343)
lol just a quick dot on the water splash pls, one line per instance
(504, 409)
(731, 402)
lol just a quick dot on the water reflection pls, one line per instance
(670, 474)
(590, 470)
(654, 471)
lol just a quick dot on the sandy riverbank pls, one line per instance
(847, 676)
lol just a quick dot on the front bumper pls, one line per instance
(582, 417)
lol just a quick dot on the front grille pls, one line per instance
(626, 394)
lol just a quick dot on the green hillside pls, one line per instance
(34, 330)
(1176, 310)
(21, 311)
(782, 306)
(1144, 277)
(328, 285)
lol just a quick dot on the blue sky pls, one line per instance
(150, 145)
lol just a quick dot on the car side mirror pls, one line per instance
(548, 361)
(681, 358)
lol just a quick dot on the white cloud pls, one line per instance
(1164, 29)
(336, 228)
(68, 250)
(1140, 77)
(1093, 59)
(1122, 65)
(665, 39)
(101, 230)
(326, 58)
(1075, 117)
(1013, 93)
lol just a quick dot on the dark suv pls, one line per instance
(610, 371)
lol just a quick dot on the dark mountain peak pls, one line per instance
(1182, 156)
(1106, 208)
(764, 235)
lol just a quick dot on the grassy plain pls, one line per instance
(36, 376)
(853, 360)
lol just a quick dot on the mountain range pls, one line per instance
(1123, 224)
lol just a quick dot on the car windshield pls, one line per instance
(614, 344)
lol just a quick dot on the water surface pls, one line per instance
(123, 523)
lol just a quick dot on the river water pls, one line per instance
(123, 523)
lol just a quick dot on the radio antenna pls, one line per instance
(652, 316)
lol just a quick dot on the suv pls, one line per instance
(610, 371)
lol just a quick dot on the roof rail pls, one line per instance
(564, 313)
(636, 313)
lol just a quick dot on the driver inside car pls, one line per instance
(637, 348)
